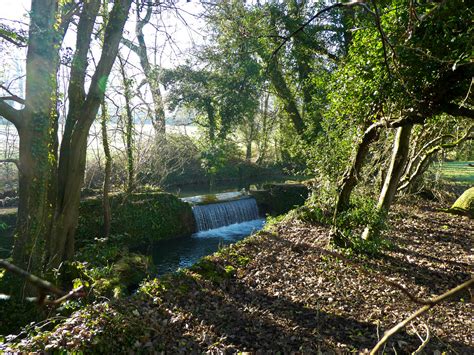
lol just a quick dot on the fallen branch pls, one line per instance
(43, 286)
(431, 304)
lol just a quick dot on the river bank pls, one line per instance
(277, 291)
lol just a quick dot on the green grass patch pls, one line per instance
(458, 171)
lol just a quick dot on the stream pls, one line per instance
(171, 255)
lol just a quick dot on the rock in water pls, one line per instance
(464, 205)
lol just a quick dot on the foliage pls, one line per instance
(349, 224)
(218, 156)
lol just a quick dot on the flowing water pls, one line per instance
(171, 255)
(222, 214)
(218, 224)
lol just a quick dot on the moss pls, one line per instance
(206, 199)
(113, 279)
(131, 270)
(464, 205)
(210, 270)
(143, 217)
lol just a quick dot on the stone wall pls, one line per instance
(277, 199)
(142, 217)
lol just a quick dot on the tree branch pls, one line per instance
(20, 41)
(12, 96)
(424, 161)
(131, 45)
(433, 302)
(43, 286)
(319, 13)
(10, 114)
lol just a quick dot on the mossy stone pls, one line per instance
(143, 217)
(464, 205)
(277, 199)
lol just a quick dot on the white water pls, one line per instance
(222, 214)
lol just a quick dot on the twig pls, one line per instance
(424, 341)
(431, 304)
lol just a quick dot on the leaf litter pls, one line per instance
(277, 291)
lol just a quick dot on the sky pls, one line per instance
(172, 45)
(183, 37)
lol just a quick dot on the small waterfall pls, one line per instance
(224, 213)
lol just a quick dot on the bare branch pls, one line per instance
(12, 96)
(424, 161)
(39, 283)
(424, 341)
(131, 45)
(433, 302)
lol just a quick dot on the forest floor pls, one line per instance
(278, 291)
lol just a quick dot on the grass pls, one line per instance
(458, 171)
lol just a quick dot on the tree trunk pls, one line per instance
(35, 208)
(401, 146)
(107, 172)
(351, 176)
(82, 112)
(264, 138)
(287, 97)
(38, 139)
(212, 121)
(151, 76)
(248, 148)
(128, 128)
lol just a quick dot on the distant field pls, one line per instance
(459, 171)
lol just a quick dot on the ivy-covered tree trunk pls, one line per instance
(286, 96)
(50, 185)
(83, 110)
(349, 181)
(128, 127)
(36, 125)
(401, 146)
(263, 146)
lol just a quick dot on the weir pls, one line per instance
(225, 213)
